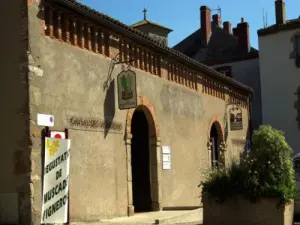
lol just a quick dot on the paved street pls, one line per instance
(174, 217)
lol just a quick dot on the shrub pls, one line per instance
(266, 171)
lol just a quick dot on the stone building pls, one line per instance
(279, 46)
(155, 31)
(227, 50)
(63, 60)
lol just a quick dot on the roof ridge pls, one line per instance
(142, 22)
(116, 23)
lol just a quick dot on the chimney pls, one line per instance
(216, 20)
(205, 15)
(242, 32)
(227, 26)
(280, 12)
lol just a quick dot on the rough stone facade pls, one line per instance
(72, 76)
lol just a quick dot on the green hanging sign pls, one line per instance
(127, 94)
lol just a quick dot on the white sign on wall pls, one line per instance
(45, 120)
(56, 181)
(166, 157)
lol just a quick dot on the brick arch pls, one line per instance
(216, 120)
(147, 107)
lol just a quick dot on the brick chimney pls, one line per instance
(216, 20)
(280, 12)
(227, 26)
(242, 32)
(205, 15)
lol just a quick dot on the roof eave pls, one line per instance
(278, 28)
(145, 39)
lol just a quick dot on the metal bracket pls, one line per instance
(114, 61)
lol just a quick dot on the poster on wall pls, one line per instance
(127, 93)
(236, 119)
(56, 181)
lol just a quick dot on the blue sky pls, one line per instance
(183, 17)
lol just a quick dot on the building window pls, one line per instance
(227, 73)
(226, 70)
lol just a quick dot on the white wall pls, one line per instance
(280, 79)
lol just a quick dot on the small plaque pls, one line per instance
(166, 150)
(45, 120)
(166, 165)
(166, 158)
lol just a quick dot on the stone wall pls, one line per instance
(74, 82)
(264, 211)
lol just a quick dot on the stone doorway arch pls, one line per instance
(215, 142)
(146, 107)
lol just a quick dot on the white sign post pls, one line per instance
(56, 181)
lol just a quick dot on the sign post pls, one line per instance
(56, 181)
(127, 93)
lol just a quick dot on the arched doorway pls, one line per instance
(143, 118)
(140, 162)
(215, 143)
(214, 140)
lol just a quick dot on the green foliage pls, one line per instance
(266, 171)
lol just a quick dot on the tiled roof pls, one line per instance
(146, 39)
(222, 46)
(144, 22)
(289, 25)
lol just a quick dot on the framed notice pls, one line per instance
(166, 157)
(56, 181)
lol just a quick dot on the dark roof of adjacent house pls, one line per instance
(222, 46)
(289, 25)
(145, 22)
(143, 38)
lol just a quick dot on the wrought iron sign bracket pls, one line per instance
(114, 61)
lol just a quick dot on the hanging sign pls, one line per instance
(56, 181)
(236, 119)
(127, 94)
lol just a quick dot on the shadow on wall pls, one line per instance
(15, 160)
(109, 107)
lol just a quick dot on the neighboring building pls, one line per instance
(154, 30)
(279, 60)
(228, 51)
(64, 59)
